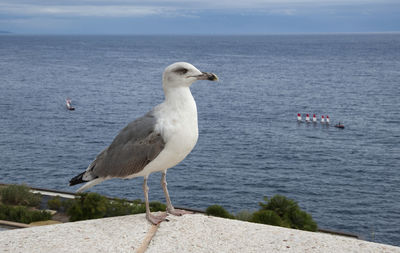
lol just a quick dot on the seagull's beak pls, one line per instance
(207, 76)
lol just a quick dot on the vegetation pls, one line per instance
(19, 195)
(218, 211)
(85, 206)
(66, 204)
(277, 211)
(244, 215)
(119, 207)
(267, 217)
(93, 206)
(88, 206)
(55, 203)
(289, 212)
(156, 207)
(22, 214)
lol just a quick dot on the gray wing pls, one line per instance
(132, 149)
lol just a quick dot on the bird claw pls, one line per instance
(179, 212)
(157, 219)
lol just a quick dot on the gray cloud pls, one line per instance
(134, 8)
(26, 9)
(193, 16)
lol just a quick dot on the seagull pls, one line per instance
(155, 142)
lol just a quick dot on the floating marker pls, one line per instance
(68, 104)
(327, 119)
(314, 118)
(340, 125)
(299, 117)
(308, 118)
(322, 119)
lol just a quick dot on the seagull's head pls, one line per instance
(183, 74)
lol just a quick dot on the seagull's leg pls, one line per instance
(152, 218)
(170, 208)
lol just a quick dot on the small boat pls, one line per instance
(68, 104)
(340, 125)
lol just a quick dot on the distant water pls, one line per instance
(250, 144)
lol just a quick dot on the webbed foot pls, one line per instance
(157, 219)
(178, 212)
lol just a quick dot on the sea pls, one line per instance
(250, 143)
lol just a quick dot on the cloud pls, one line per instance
(82, 10)
(195, 16)
(135, 8)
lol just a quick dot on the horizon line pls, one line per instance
(8, 33)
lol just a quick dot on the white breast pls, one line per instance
(177, 123)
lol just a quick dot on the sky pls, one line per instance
(209, 17)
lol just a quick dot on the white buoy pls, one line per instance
(308, 118)
(68, 104)
(327, 119)
(314, 118)
(298, 117)
(322, 119)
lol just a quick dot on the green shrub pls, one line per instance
(302, 220)
(137, 202)
(278, 211)
(266, 217)
(22, 214)
(289, 212)
(55, 203)
(88, 206)
(280, 205)
(156, 206)
(244, 215)
(19, 195)
(93, 206)
(67, 204)
(118, 207)
(218, 211)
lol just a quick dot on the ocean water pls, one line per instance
(250, 144)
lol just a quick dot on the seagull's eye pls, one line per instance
(181, 71)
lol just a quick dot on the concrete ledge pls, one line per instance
(14, 224)
(189, 233)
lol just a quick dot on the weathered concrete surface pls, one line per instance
(189, 233)
(117, 234)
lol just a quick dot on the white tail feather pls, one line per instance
(90, 184)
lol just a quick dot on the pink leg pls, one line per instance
(170, 208)
(152, 218)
